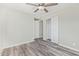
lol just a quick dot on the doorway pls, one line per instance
(52, 29)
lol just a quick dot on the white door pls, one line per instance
(36, 29)
(54, 29)
(40, 29)
(48, 28)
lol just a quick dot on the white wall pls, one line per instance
(69, 27)
(15, 27)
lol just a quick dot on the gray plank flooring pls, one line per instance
(39, 47)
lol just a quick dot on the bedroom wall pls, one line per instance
(16, 27)
(69, 27)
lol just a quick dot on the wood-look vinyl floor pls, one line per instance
(39, 47)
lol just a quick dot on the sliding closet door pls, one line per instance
(48, 28)
(54, 29)
(41, 29)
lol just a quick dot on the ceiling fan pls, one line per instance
(42, 6)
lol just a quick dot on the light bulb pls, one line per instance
(41, 7)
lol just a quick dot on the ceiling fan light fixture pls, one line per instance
(41, 7)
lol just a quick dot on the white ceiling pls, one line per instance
(29, 9)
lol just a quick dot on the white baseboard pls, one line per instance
(18, 44)
(69, 47)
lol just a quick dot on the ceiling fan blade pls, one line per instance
(31, 4)
(50, 4)
(45, 10)
(36, 10)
